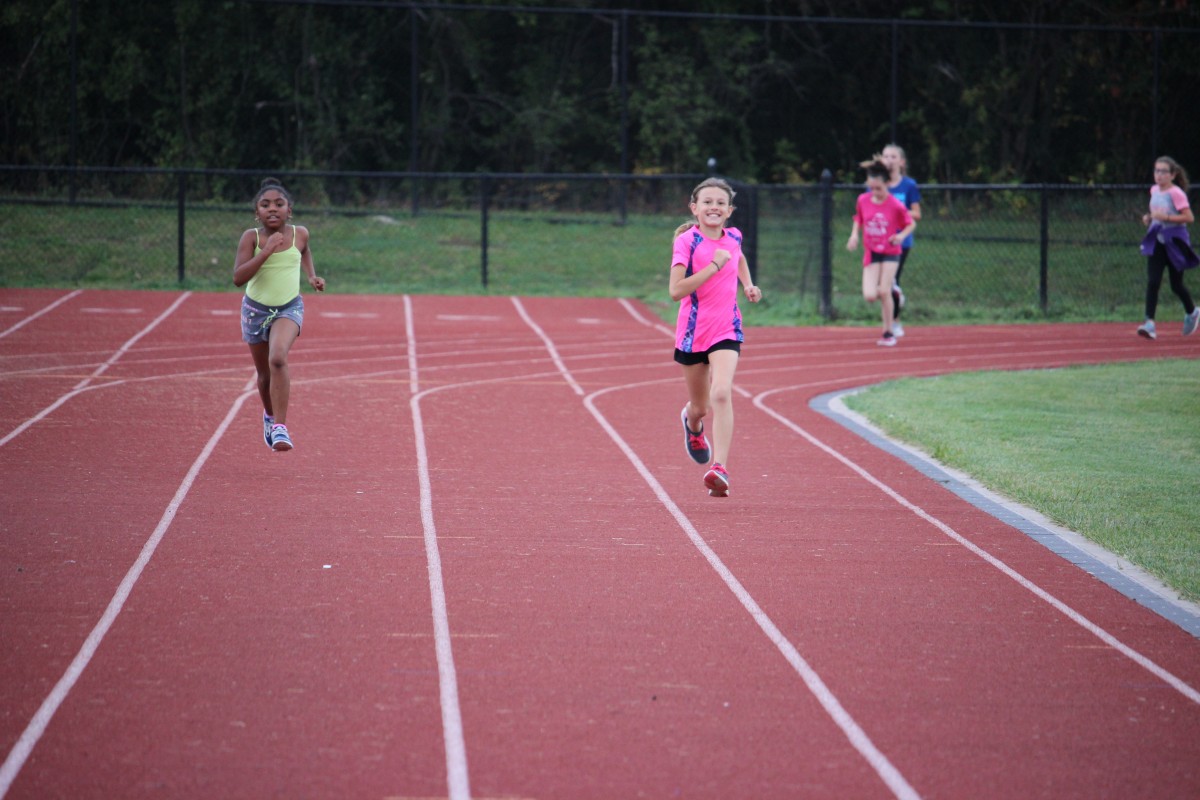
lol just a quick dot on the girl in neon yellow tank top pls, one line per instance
(269, 262)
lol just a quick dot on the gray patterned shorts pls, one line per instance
(257, 318)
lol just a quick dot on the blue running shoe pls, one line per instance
(280, 441)
(267, 423)
(1190, 322)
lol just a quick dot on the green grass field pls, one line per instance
(965, 270)
(1111, 452)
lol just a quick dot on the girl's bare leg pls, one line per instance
(283, 335)
(870, 282)
(696, 378)
(260, 352)
(723, 364)
(887, 280)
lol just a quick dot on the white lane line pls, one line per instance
(550, 348)
(1076, 617)
(858, 738)
(100, 370)
(41, 719)
(123, 349)
(37, 314)
(457, 774)
(633, 312)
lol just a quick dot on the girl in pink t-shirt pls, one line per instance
(708, 331)
(885, 224)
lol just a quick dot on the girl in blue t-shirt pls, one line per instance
(906, 190)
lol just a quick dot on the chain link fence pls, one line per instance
(982, 253)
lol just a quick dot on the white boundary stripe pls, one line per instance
(550, 348)
(884, 768)
(633, 312)
(123, 349)
(1104, 636)
(41, 719)
(83, 384)
(37, 314)
(457, 775)
(45, 412)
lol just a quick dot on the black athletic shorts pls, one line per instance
(690, 359)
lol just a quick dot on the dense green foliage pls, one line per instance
(774, 92)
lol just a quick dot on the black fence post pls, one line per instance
(623, 78)
(1043, 278)
(751, 248)
(827, 244)
(895, 77)
(414, 117)
(182, 219)
(485, 191)
(73, 154)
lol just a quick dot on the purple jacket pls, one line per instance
(1177, 244)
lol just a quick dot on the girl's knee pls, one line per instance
(721, 395)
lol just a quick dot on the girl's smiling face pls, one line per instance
(712, 207)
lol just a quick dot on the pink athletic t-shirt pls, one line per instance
(879, 222)
(710, 314)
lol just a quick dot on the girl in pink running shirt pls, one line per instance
(885, 224)
(708, 333)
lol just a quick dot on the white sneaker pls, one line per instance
(1146, 330)
(1190, 321)
(897, 330)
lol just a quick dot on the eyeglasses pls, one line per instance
(1161, 169)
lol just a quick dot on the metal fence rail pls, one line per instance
(983, 251)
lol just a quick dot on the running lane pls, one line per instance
(840, 627)
(278, 641)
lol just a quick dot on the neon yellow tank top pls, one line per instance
(277, 281)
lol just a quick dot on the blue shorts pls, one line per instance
(257, 318)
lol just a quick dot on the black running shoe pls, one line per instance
(695, 442)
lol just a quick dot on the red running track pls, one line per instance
(489, 570)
